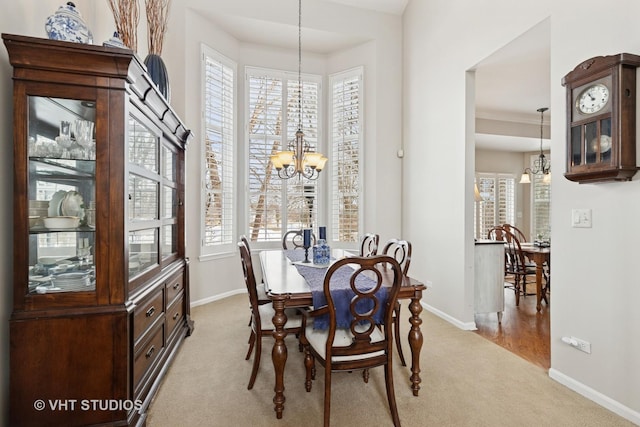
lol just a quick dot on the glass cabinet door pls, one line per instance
(144, 196)
(153, 198)
(61, 151)
(169, 232)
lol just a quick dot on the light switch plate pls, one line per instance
(581, 218)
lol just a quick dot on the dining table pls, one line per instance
(540, 255)
(287, 288)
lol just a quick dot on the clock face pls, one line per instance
(593, 99)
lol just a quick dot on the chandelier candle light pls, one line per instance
(541, 165)
(299, 159)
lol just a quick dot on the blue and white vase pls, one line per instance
(158, 73)
(67, 25)
(322, 251)
(115, 41)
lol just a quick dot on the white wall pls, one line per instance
(594, 274)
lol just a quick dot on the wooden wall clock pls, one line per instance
(601, 119)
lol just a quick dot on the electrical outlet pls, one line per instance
(581, 345)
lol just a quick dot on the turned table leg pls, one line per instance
(279, 354)
(415, 341)
(538, 286)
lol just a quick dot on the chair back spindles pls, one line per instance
(400, 250)
(515, 231)
(369, 244)
(294, 239)
(497, 233)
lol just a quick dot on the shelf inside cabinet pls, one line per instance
(38, 229)
(62, 169)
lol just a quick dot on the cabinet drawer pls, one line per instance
(147, 313)
(147, 354)
(175, 314)
(175, 285)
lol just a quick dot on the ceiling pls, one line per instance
(511, 83)
(389, 6)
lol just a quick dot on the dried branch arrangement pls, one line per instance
(127, 16)
(157, 16)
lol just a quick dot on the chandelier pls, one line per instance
(299, 160)
(541, 166)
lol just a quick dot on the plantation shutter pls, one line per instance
(541, 207)
(346, 127)
(219, 89)
(498, 202)
(276, 205)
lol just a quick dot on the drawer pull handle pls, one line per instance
(175, 316)
(150, 352)
(151, 311)
(176, 286)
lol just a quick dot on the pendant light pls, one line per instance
(541, 166)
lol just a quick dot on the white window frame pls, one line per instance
(357, 73)
(509, 216)
(285, 76)
(228, 245)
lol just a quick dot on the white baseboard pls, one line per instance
(597, 397)
(469, 326)
(217, 297)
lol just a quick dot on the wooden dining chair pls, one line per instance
(359, 344)
(400, 250)
(261, 315)
(293, 239)
(546, 270)
(262, 293)
(517, 266)
(369, 244)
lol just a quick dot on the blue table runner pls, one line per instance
(341, 292)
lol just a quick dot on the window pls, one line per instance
(276, 205)
(218, 132)
(346, 149)
(540, 205)
(497, 206)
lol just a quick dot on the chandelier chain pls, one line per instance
(299, 64)
(300, 159)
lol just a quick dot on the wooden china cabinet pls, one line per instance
(101, 288)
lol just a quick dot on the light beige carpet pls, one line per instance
(466, 381)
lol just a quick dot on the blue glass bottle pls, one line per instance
(322, 251)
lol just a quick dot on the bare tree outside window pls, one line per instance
(276, 205)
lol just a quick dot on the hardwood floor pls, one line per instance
(523, 331)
